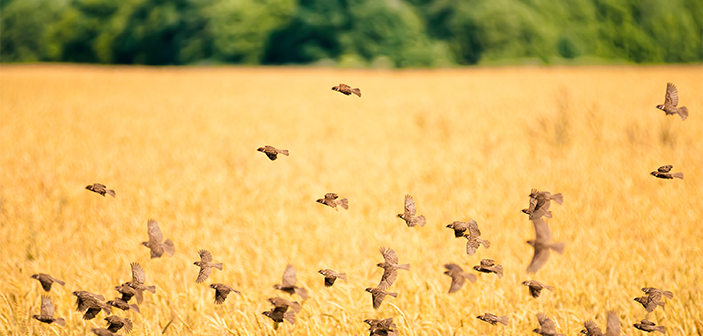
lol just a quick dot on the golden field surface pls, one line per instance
(179, 145)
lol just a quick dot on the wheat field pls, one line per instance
(179, 145)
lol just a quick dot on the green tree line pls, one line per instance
(385, 33)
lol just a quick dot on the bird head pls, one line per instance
(146, 243)
(260, 149)
(335, 88)
(382, 265)
(654, 173)
(35, 276)
(641, 299)
(526, 283)
(526, 211)
(584, 331)
(531, 242)
(76, 293)
(213, 286)
(35, 316)
(661, 107)
(537, 330)
(450, 226)
(321, 272)
(400, 216)
(448, 273)
(476, 268)
(277, 286)
(320, 200)
(267, 313)
(369, 289)
(89, 187)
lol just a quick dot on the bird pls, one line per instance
(331, 200)
(115, 323)
(458, 276)
(652, 290)
(378, 294)
(390, 267)
(272, 152)
(542, 245)
(489, 266)
(346, 89)
(409, 215)
(671, 99)
(649, 326)
(612, 326)
(493, 319)
(540, 202)
(547, 327)
(155, 237)
(100, 189)
(461, 227)
(283, 310)
(47, 280)
(381, 327)
(663, 172)
(206, 265)
(126, 291)
(288, 281)
(473, 242)
(221, 292)
(651, 301)
(331, 276)
(536, 287)
(103, 332)
(283, 302)
(122, 304)
(138, 280)
(46, 314)
(91, 304)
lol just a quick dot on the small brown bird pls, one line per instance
(489, 266)
(206, 265)
(46, 314)
(91, 304)
(122, 304)
(282, 302)
(652, 291)
(542, 245)
(671, 99)
(473, 242)
(288, 283)
(390, 267)
(378, 294)
(649, 326)
(115, 323)
(650, 302)
(331, 276)
(461, 227)
(126, 291)
(346, 89)
(612, 326)
(547, 327)
(536, 287)
(103, 332)
(382, 327)
(281, 311)
(155, 237)
(663, 173)
(272, 152)
(540, 202)
(221, 292)
(138, 280)
(46, 281)
(409, 216)
(100, 189)
(458, 276)
(493, 319)
(332, 201)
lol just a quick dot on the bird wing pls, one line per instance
(204, 273)
(592, 328)
(138, 275)
(221, 294)
(665, 169)
(613, 325)
(389, 255)
(672, 95)
(473, 228)
(388, 278)
(487, 262)
(331, 196)
(155, 235)
(205, 256)
(471, 245)
(542, 233)
(289, 279)
(377, 298)
(410, 206)
(453, 267)
(547, 325)
(458, 281)
(538, 259)
(47, 308)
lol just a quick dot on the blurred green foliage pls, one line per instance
(377, 33)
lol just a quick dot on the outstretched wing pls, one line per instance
(665, 169)
(205, 256)
(546, 324)
(289, 277)
(542, 233)
(592, 328)
(613, 325)
(138, 275)
(47, 308)
(672, 94)
(410, 205)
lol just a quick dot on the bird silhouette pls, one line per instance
(288, 284)
(346, 89)
(46, 314)
(206, 265)
(272, 152)
(409, 215)
(671, 100)
(155, 243)
(458, 276)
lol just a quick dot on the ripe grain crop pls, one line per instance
(179, 145)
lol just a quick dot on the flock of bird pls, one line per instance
(285, 310)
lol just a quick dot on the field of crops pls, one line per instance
(179, 145)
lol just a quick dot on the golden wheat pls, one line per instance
(179, 145)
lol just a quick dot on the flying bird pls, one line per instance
(46, 314)
(206, 265)
(547, 327)
(288, 283)
(473, 242)
(409, 215)
(649, 326)
(331, 200)
(489, 266)
(650, 302)
(382, 327)
(493, 319)
(221, 292)
(126, 291)
(100, 189)
(346, 89)
(390, 267)
(663, 172)
(103, 332)
(458, 276)
(378, 294)
(122, 304)
(542, 245)
(612, 326)
(282, 302)
(138, 280)
(331, 276)
(461, 227)
(115, 323)
(46, 281)
(283, 310)
(540, 202)
(91, 304)
(536, 287)
(155, 237)
(652, 291)
(671, 99)
(272, 152)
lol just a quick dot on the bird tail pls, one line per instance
(483, 242)
(283, 151)
(295, 306)
(683, 112)
(421, 220)
(557, 247)
(499, 271)
(395, 295)
(661, 329)
(356, 91)
(289, 316)
(62, 322)
(678, 175)
(151, 288)
(112, 192)
(302, 292)
(404, 267)
(668, 294)
(548, 287)
(342, 276)
(559, 198)
(503, 320)
(169, 247)
(134, 307)
(344, 203)
(63, 283)
(217, 265)
(471, 277)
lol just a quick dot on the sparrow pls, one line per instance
(122, 304)
(390, 267)
(281, 302)
(458, 276)
(138, 280)
(651, 301)
(91, 304)
(652, 290)
(46, 281)
(461, 227)
(542, 244)
(493, 319)
(126, 291)
(489, 266)
(206, 265)
(409, 216)
(221, 292)
(381, 327)
(332, 201)
(378, 294)
(100, 189)
(649, 326)
(663, 173)
(272, 152)
(46, 314)
(536, 287)
(281, 311)
(547, 327)
(346, 89)
(288, 284)
(473, 242)
(671, 99)
(155, 237)
(103, 332)
(612, 326)
(331, 276)
(540, 202)
(115, 323)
